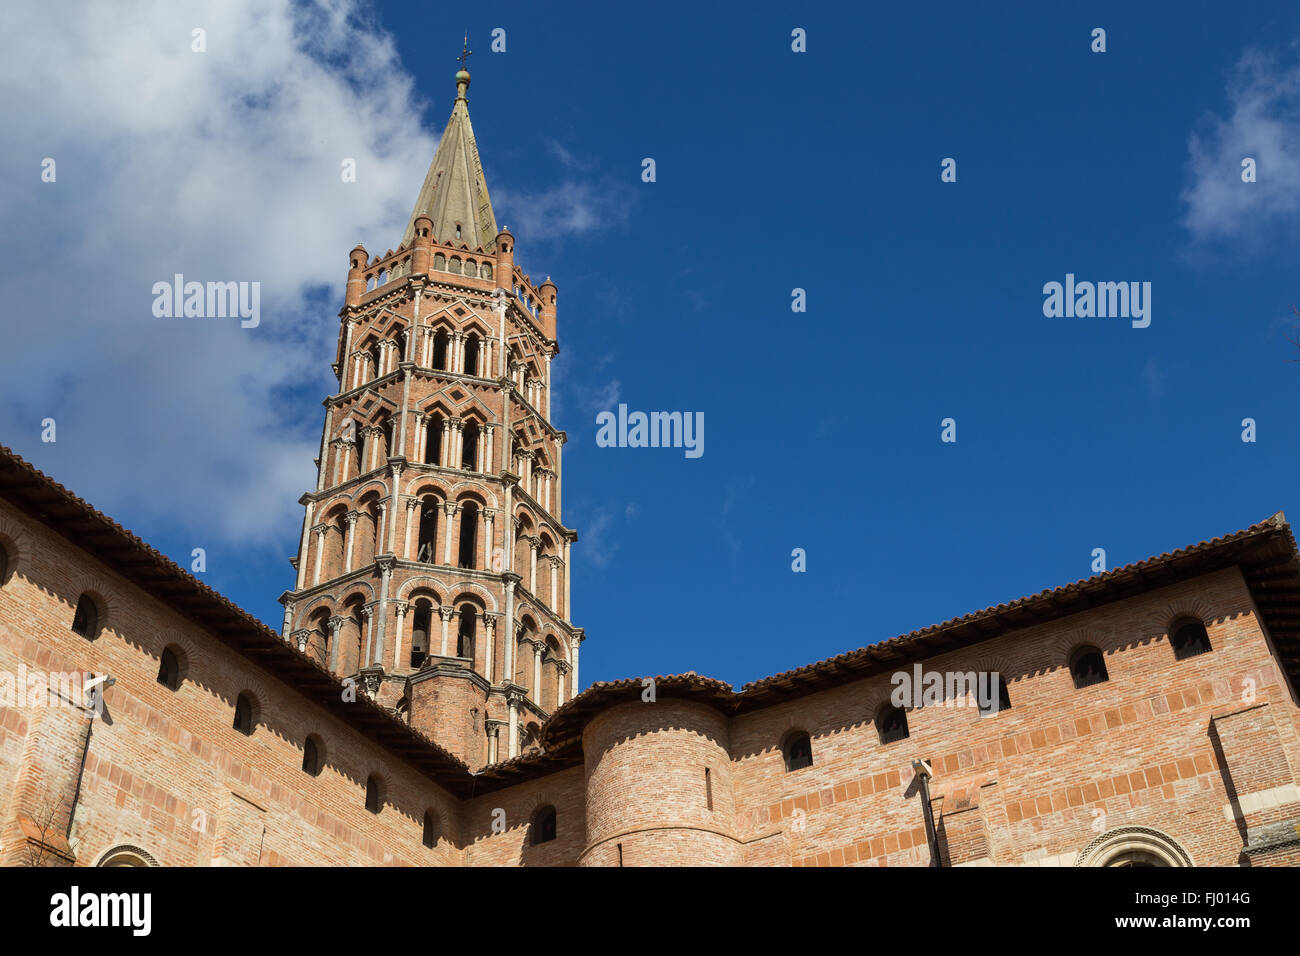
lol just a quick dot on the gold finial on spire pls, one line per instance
(462, 75)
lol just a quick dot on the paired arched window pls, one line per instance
(465, 631)
(468, 534)
(469, 449)
(427, 550)
(389, 428)
(169, 669)
(1189, 638)
(421, 627)
(440, 349)
(372, 794)
(318, 644)
(542, 829)
(85, 621)
(797, 751)
(313, 760)
(432, 830)
(1088, 667)
(891, 724)
(244, 714)
(433, 441)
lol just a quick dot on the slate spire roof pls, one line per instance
(455, 193)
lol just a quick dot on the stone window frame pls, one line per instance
(1111, 847)
(124, 851)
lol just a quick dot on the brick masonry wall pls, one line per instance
(647, 788)
(165, 770)
(1068, 764)
(508, 842)
(1204, 750)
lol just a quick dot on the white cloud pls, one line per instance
(571, 208)
(221, 165)
(1263, 123)
(597, 542)
(564, 156)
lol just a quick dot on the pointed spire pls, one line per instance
(454, 191)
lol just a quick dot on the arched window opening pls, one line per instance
(1134, 846)
(312, 763)
(433, 441)
(421, 623)
(352, 657)
(85, 621)
(427, 549)
(453, 266)
(891, 724)
(798, 751)
(996, 701)
(4, 564)
(372, 794)
(389, 427)
(318, 642)
(128, 856)
(543, 826)
(440, 262)
(465, 631)
(376, 356)
(458, 230)
(1189, 639)
(431, 829)
(244, 714)
(1088, 667)
(486, 270)
(468, 534)
(471, 355)
(169, 669)
(397, 336)
(440, 349)
(341, 537)
(469, 451)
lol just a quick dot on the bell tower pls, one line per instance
(434, 562)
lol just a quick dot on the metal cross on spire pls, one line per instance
(465, 53)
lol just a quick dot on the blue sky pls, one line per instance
(775, 170)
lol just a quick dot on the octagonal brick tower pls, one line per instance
(434, 562)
